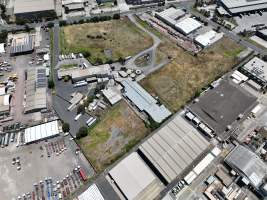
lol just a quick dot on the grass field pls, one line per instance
(116, 133)
(104, 41)
(186, 75)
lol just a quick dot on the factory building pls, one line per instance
(134, 179)
(208, 38)
(170, 16)
(235, 7)
(248, 165)
(256, 69)
(79, 74)
(144, 101)
(36, 97)
(262, 34)
(42, 131)
(22, 44)
(173, 149)
(220, 109)
(142, 2)
(187, 26)
(34, 9)
(5, 104)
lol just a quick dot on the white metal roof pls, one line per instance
(41, 131)
(203, 163)
(92, 193)
(171, 15)
(27, 6)
(207, 38)
(242, 3)
(188, 25)
(2, 48)
(132, 175)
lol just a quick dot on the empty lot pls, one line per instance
(104, 41)
(119, 130)
(186, 75)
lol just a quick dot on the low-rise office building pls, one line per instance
(256, 69)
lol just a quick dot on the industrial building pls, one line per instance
(5, 104)
(144, 101)
(34, 9)
(220, 107)
(187, 26)
(74, 5)
(92, 193)
(256, 69)
(142, 2)
(248, 165)
(208, 38)
(262, 34)
(112, 95)
(22, 44)
(79, 74)
(42, 131)
(36, 94)
(170, 16)
(134, 179)
(235, 7)
(173, 149)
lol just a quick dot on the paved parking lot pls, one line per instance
(36, 166)
(248, 20)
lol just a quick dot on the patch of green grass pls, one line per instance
(233, 52)
(68, 66)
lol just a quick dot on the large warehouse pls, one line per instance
(173, 149)
(42, 131)
(220, 107)
(235, 7)
(170, 16)
(36, 97)
(248, 164)
(144, 101)
(78, 74)
(188, 26)
(134, 179)
(21, 44)
(34, 9)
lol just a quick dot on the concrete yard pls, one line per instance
(36, 166)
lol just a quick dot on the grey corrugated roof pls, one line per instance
(237, 6)
(22, 45)
(174, 147)
(247, 163)
(144, 101)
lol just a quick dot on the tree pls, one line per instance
(66, 127)
(27, 28)
(3, 36)
(50, 25)
(51, 84)
(116, 16)
(62, 23)
(82, 132)
(80, 109)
